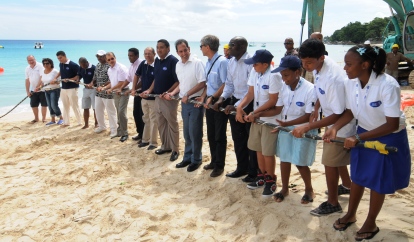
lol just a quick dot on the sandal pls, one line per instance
(33, 121)
(306, 199)
(370, 236)
(278, 196)
(346, 225)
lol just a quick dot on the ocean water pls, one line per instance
(13, 60)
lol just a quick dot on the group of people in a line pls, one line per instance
(358, 104)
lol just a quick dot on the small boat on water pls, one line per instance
(263, 44)
(252, 44)
(1, 47)
(38, 45)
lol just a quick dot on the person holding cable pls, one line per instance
(373, 99)
(264, 88)
(33, 72)
(86, 72)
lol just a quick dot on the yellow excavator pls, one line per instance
(402, 14)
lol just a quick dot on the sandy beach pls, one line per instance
(69, 184)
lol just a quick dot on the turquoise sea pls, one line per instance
(13, 59)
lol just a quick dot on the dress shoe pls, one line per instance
(216, 172)
(123, 138)
(174, 155)
(182, 164)
(136, 137)
(249, 178)
(161, 151)
(236, 174)
(193, 167)
(151, 147)
(143, 144)
(208, 167)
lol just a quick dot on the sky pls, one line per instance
(147, 20)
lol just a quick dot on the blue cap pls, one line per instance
(290, 61)
(261, 56)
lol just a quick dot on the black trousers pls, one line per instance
(137, 112)
(246, 158)
(216, 135)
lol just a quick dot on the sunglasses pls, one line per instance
(288, 43)
(110, 59)
(46, 63)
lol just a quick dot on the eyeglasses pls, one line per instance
(288, 43)
(110, 59)
(46, 63)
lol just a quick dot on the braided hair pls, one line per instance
(376, 57)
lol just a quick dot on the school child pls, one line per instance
(295, 106)
(373, 99)
(264, 88)
(329, 89)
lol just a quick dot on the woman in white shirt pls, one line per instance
(52, 90)
(373, 99)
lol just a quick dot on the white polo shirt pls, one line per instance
(33, 74)
(379, 98)
(330, 90)
(298, 102)
(118, 73)
(265, 84)
(190, 74)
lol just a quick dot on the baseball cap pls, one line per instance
(367, 42)
(262, 56)
(101, 52)
(395, 46)
(226, 46)
(290, 61)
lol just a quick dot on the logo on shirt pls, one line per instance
(321, 91)
(67, 68)
(164, 68)
(152, 73)
(300, 104)
(89, 73)
(265, 86)
(375, 104)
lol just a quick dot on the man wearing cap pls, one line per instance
(264, 88)
(236, 88)
(103, 100)
(216, 74)
(226, 51)
(289, 46)
(86, 72)
(392, 61)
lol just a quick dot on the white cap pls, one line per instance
(101, 52)
(367, 42)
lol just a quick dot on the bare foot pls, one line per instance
(85, 127)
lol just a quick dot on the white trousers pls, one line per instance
(70, 98)
(109, 104)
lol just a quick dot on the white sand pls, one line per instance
(68, 184)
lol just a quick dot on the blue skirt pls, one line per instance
(298, 151)
(382, 173)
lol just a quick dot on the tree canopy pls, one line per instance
(357, 32)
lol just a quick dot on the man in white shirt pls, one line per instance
(236, 88)
(33, 71)
(192, 80)
(118, 75)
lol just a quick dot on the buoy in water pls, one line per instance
(1, 70)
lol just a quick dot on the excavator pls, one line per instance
(402, 14)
